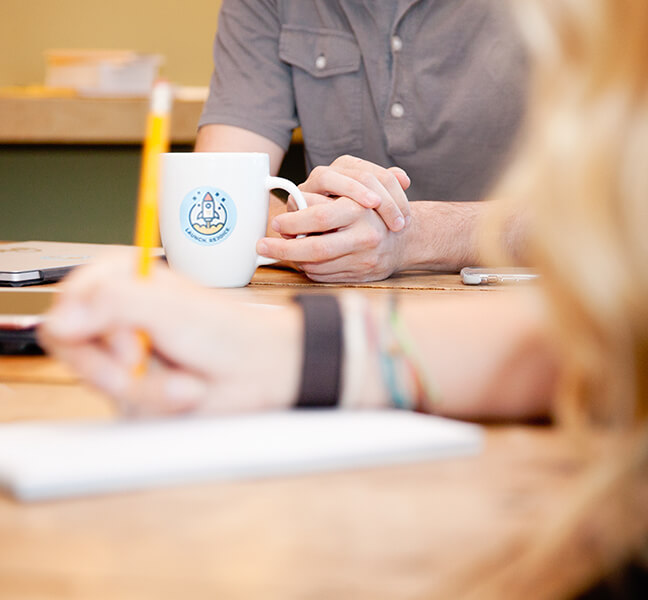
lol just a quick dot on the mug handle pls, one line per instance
(273, 183)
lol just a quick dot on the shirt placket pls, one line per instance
(400, 114)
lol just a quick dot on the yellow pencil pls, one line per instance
(155, 143)
(146, 226)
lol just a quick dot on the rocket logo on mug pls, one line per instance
(207, 215)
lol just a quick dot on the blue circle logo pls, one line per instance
(207, 215)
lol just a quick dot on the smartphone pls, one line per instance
(496, 276)
(20, 312)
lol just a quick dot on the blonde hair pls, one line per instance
(583, 176)
(579, 186)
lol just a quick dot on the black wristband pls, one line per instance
(322, 362)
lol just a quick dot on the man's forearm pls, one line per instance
(442, 235)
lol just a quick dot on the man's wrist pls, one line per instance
(441, 236)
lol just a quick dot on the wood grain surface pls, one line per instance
(428, 530)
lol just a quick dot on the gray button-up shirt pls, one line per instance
(436, 87)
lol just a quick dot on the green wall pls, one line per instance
(75, 193)
(79, 193)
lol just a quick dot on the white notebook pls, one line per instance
(46, 460)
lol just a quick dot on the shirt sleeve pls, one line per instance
(250, 86)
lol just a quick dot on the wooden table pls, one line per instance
(427, 530)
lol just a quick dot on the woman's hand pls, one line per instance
(208, 354)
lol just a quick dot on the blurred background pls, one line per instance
(182, 31)
(69, 162)
(61, 177)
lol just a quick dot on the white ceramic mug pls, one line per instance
(213, 211)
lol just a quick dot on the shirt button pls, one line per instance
(320, 62)
(396, 44)
(397, 110)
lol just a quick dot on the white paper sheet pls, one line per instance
(53, 460)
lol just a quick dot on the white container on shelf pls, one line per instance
(102, 72)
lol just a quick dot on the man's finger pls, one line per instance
(332, 182)
(311, 200)
(317, 248)
(389, 184)
(319, 218)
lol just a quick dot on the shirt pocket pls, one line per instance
(327, 82)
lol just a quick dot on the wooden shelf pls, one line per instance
(75, 120)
